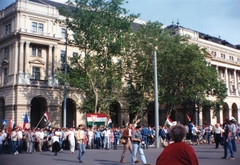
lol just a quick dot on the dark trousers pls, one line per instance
(217, 139)
(97, 142)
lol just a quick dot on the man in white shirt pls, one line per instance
(71, 140)
(106, 138)
(19, 140)
(90, 138)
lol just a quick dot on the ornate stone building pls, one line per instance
(225, 57)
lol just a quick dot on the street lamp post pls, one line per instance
(156, 102)
(65, 86)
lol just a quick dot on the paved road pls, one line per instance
(206, 154)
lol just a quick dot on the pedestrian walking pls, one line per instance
(80, 136)
(228, 143)
(137, 145)
(127, 144)
(55, 144)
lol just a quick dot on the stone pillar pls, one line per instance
(50, 66)
(235, 82)
(221, 116)
(54, 64)
(21, 62)
(226, 81)
(26, 64)
(15, 62)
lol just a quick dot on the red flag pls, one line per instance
(189, 118)
(10, 124)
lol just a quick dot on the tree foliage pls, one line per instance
(116, 62)
(99, 30)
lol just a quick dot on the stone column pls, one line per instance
(235, 82)
(213, 119)
(21, 62)
(26, 63)
(50, 66)
(221, 116)
(226, 81)
(54, 64)
(15, 62)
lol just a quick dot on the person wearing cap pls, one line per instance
(178, 152)
(234, 134)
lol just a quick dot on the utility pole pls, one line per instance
(65, 86)
(156, 102)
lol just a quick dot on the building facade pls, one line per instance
(225, 57)
(32, 50)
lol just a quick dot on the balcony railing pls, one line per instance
(39, 82)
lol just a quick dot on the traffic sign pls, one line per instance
(4, 122)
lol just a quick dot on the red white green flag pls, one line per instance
(96, 118)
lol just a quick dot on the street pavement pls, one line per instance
(207, 155)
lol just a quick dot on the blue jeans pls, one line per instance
(137, 147)
(234, 147)
(97, 142)
(228, 145)
(115, 143)
(145, 139)
(60, 143)
(14, 146)
(82, 150)
(106, 141)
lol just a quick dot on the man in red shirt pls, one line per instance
(177, 153)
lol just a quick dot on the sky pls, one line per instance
(218, 18)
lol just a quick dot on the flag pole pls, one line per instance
(39, 122)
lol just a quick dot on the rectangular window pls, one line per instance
(63, 33)
(34, 26)
(33, 50)
(8, 28)
(231, 58)
(223, 56)
(6, 52)
(238, 59)
(62, 58)
(5, 72)
(36, 73)
(214, 54)
(39, 53)
(40, 27)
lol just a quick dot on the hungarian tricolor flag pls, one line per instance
(109, 122)
(97, 119)
(170, 122)
(12, 124)
(47, 119)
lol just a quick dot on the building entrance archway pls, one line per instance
(70, 112)
(38, 108)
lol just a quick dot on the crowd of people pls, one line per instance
(133, 138)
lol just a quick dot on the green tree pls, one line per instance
(183, 73)
(99, 30)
